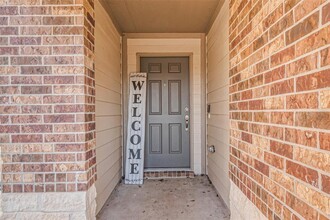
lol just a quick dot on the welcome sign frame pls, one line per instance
(136, 129)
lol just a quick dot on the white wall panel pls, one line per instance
(108, 105)
(218, 97)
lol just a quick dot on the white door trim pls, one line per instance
(133, 48)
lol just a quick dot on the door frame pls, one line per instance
(135, 45)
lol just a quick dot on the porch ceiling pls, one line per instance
(162, 16)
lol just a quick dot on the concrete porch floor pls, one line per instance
(191, 198)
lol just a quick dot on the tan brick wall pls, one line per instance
(47, 95)
(280, 105)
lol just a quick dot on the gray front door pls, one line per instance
(167, 121)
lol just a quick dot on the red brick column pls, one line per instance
(280, 106)
(47, 95)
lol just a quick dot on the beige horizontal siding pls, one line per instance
(217, 96)
(108, 105)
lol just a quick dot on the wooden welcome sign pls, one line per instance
(136, 129)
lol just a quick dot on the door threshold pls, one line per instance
(166, 169)
(168, 173)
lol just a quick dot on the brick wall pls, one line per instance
(280, 105)
(47, 120)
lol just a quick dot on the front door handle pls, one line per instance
(186, 118)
